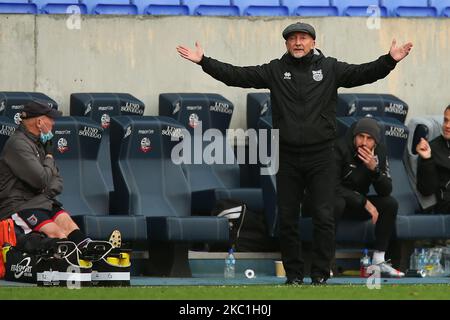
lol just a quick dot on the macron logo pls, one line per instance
(287, 76)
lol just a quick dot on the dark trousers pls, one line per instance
(313, 171)
(387, 212)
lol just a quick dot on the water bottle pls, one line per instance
(421, 260)
(413, 260)
(230, 265)
(364, 263)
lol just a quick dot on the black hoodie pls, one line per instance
(303, 91)
(354, 178)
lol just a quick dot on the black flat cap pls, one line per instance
(36, 108)
(299, 27)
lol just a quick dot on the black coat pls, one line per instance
(303, 91)
(353, 178)
(433, 175)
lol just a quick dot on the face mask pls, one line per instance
(45, 137)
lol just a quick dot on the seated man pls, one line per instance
(433, 167)
(361, 162)
(30, 181)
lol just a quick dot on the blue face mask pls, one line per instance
(45, 137)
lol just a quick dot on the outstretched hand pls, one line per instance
(191, 55)
(398, 53)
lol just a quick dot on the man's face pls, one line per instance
(446, 125)
(45, 124)
(364, 140)
(299, 44)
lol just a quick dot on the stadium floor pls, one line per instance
(263, 280)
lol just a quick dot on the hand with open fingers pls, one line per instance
(367, 157)
(423, 149)
(398, 53)
(372, 210)
(191, 55)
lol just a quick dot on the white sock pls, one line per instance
(378, 257)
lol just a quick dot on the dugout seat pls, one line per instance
(148, 182)
(7, 128)
(85, 194)
(209, 182)
(100, 107)
(370, 104)
(12, 103)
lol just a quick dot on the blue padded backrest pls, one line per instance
(188, 108)
(100, 107)
(110, 7)
(7, 128)
(12, 103)
(442, 7)
(146, 180)
(212, 8)
(310, 7)
(76, 146)
(258, 105)
(60, 6)
(215, 113)
(18, 6)
(409, 8)
(363, 104)
(161, 7)
(395, 138)
(358, 8)
(260, 8)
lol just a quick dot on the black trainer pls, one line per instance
(294, 282)
(318, 281)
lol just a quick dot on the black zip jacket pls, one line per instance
(353, 178)
(433, 175)
(303, 91)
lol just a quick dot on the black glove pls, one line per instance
(48, 147)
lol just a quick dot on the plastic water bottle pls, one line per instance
(230, 265)
(421, 260)
(364, 263)
(414, 260)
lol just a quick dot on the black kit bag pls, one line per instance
(248, 232)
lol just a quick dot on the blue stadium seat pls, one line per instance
(209, 182)
(359, 8)
(60, 6)
(310, 7)
(100, 107)
(12, 103)
(148, 182)
(442, 7)
(119, 7)
(371, 104)
(161, 7)
(85, 194)
(409, 8)
(7, 128)
(212, 8)
(260, 8)
(18, 6)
